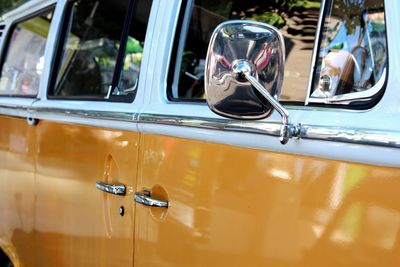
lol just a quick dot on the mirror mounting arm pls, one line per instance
(287, 130)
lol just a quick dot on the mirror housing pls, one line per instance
(235, 45)
(244, 73)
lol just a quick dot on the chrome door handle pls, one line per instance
(115, 189)
(144, 198)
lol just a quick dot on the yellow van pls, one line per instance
(200, 133)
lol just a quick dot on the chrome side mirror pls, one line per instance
(244, 73)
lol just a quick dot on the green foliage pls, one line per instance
(291, 4)
(302, 4)
(219, 7)
(279, 8)
(133, 46)
(271, 18)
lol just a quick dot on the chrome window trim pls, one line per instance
(311, 132)
(315, 52)
(359, 96)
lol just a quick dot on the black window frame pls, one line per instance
(58, 52)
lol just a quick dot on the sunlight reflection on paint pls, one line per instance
(280, 174)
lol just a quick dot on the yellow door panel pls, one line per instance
(77, 224)
(232, 206)
(17, 196)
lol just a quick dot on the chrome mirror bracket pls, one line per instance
(288, 131)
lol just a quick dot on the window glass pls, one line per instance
(296, 19)
(94, 47)
(352, 56)
(24, 59)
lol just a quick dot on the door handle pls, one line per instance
(115, 189)
(144, 198)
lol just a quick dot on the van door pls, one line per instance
(17, 179)
(78, 224)
(218, 192)
(87, 137)
(24, 38)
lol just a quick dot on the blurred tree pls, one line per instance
(7, 5)
(274, 12)
(353, 11)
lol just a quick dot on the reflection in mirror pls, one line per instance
(236, 48)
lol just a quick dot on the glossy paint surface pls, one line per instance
(17, 188)
(233, 206)
(54, 215)
(76, 224)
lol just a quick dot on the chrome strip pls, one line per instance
(353, 136)
(22, 111)
(5, 109)
(18, 111)
(213, 124)
(315, 51)
(311, 132)
(88, 114)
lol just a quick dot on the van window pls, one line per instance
(296, 20)
(352, 55)
(23, 60)
(101, 50)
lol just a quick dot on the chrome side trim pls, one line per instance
(353, 136)
(322, 133)
(23, 111)
(18, 111)
(88, 114)
(312, 132)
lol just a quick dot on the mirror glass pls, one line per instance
(235, 44)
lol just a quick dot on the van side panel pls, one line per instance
(77, 224)
(235, 206)
(17, 189)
